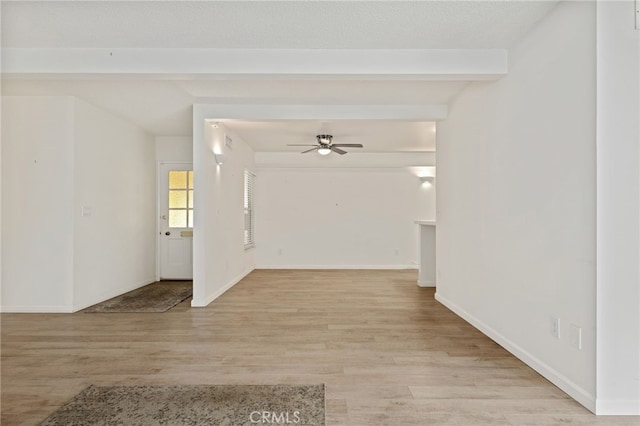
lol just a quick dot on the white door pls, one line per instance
(175, 191)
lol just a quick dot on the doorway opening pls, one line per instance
(175, 221)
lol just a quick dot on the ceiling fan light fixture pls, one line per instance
(324, 151)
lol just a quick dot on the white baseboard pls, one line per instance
(201, 303)
(68, 309)
(426, 283)
(336, 267)
(618, 408)
(551, 374)
(37, 309)
(113, 293)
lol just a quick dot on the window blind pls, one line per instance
(249, 180)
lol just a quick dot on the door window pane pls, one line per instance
(177, 218)
(177, 199)
(180, 199)
(177, 179)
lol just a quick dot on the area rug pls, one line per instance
(156, 297)
(228, 405)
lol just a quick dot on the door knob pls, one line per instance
(167, 233)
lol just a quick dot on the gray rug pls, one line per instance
(156, 297)
(194, 405)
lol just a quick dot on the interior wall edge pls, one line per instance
(205, 301)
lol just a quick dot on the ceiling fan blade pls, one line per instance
(309, 144)
(338, 150)
(349, 145)
(309, 150)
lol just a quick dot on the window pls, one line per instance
(249, 179)
(180, 199)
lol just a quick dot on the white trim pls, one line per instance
(337, 267)
(207, 300)
(548, 372)
(37, 309)
(426, 283)
(618, 408)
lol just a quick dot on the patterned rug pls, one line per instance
(194, 405)
(156, 297)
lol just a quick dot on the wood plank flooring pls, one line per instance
(388, 353)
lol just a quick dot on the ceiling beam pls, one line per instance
(176, 63)
(415, 161)
(318, 112)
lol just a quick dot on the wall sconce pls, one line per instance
(425, 179)
(220, 158)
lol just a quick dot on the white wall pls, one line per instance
(220, 260)
(60, 154)
(37, 201)
(339, 217)
(1, 232)
(114, 174)
(516, 241)
(174, 148)
(618, 302)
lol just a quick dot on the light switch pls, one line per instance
(86, 211)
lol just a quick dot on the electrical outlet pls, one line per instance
(555, 327)
(575, 336)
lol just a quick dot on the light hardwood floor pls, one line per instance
(388, 353)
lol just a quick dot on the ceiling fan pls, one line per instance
(325, 146)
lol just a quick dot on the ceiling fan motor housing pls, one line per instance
(325, 146)
(324, 139)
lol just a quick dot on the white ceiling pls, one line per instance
(375, 135)
(162, 106)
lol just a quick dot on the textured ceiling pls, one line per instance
(163, 106)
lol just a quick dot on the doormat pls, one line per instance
(155, 297)
(194, 405)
